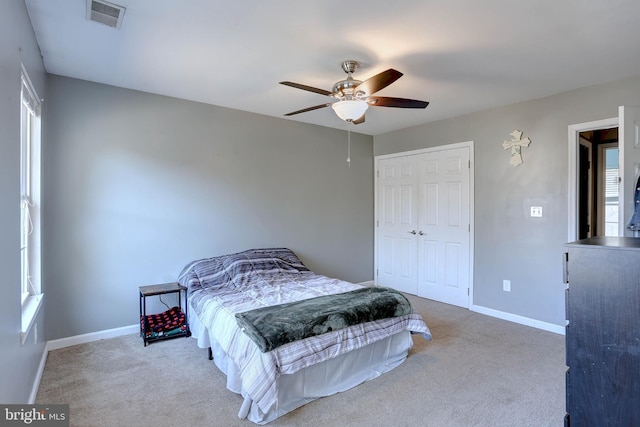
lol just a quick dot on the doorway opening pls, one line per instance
(598, 180)
(583, 175)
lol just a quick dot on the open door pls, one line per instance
(629, 140)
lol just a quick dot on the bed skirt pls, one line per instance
(324, 379)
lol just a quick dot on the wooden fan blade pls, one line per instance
(308, 88)
(304, 110)
(385, 101)
(358, 121)
(378, 82)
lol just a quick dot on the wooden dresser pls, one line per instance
(603, 332)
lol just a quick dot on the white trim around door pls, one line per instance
(574, 142)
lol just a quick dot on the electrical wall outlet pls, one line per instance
(506, 285)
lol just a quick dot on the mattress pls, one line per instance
(308, 384)
(277, 381)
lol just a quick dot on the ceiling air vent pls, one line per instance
(105, 13)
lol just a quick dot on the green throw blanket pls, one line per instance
(271, 327)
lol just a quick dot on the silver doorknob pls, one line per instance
(413, 232)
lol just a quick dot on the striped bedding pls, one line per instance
(220, 287)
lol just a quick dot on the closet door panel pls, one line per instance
(397, 224)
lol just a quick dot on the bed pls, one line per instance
(277, 377)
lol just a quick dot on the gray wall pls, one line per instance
(18, 364)
(509, 244)
(137, 185)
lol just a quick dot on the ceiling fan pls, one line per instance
(356, 96)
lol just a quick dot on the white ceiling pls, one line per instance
(460, 55)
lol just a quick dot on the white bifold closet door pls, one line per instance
(423, 224)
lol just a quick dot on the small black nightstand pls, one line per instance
(162, 289)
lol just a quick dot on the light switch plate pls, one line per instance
(536, 211)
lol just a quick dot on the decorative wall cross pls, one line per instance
(516, 145)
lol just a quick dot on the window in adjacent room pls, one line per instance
(609, 198)
(31, 295)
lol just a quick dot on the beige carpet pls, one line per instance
(477, 371)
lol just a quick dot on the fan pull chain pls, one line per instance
(349, 143)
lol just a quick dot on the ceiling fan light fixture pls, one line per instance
(350, 110)
(354, 96)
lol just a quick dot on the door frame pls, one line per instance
(574, 142)
(468, 144)
(590, 185)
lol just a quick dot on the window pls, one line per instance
(31, 295)
(610, 183)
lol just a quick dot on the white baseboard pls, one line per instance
(36, 382)
(519, 319)
(369, 283)
(93, 336)
(545, 326)
(75, 340)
